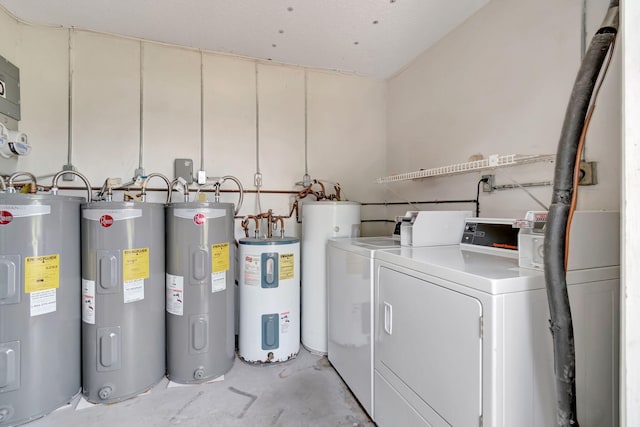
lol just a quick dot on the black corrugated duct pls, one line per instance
(560, 211)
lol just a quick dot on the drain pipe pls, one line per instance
(555, 242)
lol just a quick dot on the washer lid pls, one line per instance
(365, 246)
(371, 243)
(489, 273)
(377, 242)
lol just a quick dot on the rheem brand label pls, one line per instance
(106, 221)
(199, 218)
(103, 215)
(5, 217)
(195, 214)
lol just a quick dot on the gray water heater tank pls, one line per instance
(200, 291)
(123, 299)
(39, 310)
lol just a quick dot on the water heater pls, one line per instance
(269, 288)
(199, 290)
(321, 220)
(39, 310)
(123, 299)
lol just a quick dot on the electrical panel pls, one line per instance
(9, 89)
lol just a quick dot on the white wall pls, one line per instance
(346, 115)
(499, 84)
(630, 295)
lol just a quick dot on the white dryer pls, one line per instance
(350, 311)
(462, 339)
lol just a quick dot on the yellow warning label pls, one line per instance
(135, 264)
(41, 273)
(219, 257)
(286, 266)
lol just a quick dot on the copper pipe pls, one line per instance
(268, 216)
(269, 223)
(306, 191)
(321, 186)
(262, 191)
(303, 193)
(276, 220)
(151, 189)
(256, 219)
(271, 220)
(245, 226)
(294, 207)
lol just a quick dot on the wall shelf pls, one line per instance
(494, 161)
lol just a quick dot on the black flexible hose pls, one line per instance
(561, 323)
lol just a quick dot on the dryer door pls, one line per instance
(429, 348)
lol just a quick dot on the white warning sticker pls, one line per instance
(285, 322)
(251, 270)
(218, 281)
(175, 294)
(89, 301)
(43, 302)
(133, 290)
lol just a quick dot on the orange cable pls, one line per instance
(576, 170)
(576, 180)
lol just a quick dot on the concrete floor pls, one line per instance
(305, 391)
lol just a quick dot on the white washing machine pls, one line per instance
(350, 311)
(462, 339)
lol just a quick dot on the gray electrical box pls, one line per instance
(183, 168)
(9, 89)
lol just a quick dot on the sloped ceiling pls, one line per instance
(374, 38)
